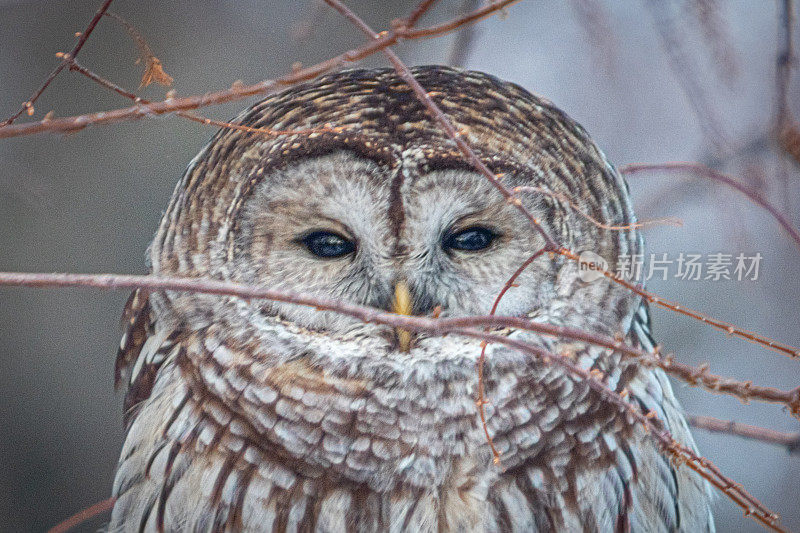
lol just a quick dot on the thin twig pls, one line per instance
(482, 359)
(239, 92)
(713, 175)
(423, 7)
(436, 326)
(790, 441)
(82, 516)
(669, 221)
(27, 106)
(77, 67)
(489, 9)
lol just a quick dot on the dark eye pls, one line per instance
(328, 244)
(471, 239)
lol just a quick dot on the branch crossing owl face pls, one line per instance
(382, 197)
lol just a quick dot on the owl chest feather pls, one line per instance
(291, 444)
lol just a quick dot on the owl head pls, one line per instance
(376, 198)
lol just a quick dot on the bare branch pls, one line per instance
(27, 106)
(234, 93)
(711, 174)
(490, 8)
(239, 92)
(790, 441)
(679, 452)
(482, 359)
(423, 7)
(82, 516)
(77, 67)
(745, 391)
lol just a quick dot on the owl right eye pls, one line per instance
(327, 244)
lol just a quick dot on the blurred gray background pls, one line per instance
(90, 201)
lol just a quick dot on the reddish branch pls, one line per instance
(790, 441)
(441, 326)
(77, 67)
(423, 7)
(239, 92)
(28, 104)
(82, 516)
(436, 326)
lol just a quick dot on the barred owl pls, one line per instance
(262, 416)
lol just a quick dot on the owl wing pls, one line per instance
(659, 495)
(142, 352)
(678, 495)
(641, 490)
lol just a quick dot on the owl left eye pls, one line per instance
(327, 244)
(472, 239)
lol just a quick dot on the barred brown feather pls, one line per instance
(260, 416)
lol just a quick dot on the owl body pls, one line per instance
(249, 415)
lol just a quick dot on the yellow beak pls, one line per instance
(402, 305)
